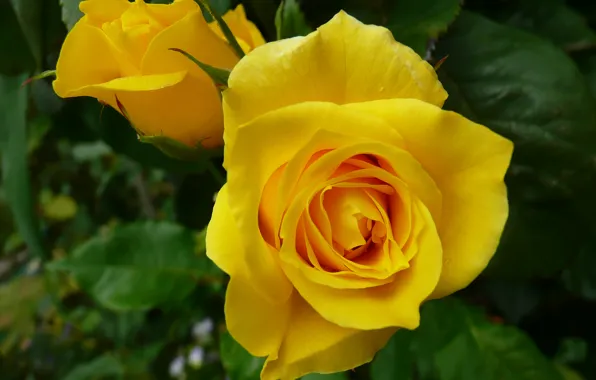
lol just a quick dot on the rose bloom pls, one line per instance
(121, 49)
(352, 197)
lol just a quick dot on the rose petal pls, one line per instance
(344, 61)
(468, 162)
(248, 173)
(85, 59)
(257, 324)
(193, 35)
(313, 344)
(394, 304)
(98, 12)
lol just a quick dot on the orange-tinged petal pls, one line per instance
(334, 129)
(395, 304)
(468, 162)
(248, 172)
(344, 205)
(399, 161)
(344, 61)
(313, 344)
(339, 280)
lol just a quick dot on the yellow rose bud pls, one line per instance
(120, 49)
(352, 197)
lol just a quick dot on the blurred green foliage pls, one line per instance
(103, 273)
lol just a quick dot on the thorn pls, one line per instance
(440, 63)
(26, 82)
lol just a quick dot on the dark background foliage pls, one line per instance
(103, 272)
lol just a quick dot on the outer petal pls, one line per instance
(257, 324)
(188, 112)
(241, 27)
(468, 162)
(253, 321)
(193, 35)
(98, 12)
(85, 59)
(106, 91)
(223, 245)
(176, 105)
(344, 61)
(313, 344)
(168, 14)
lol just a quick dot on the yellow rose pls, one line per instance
(121, 49)
(352, 197)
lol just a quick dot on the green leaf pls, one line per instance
(586, 9)
(580, 277)
(15, 171)
(572, 350)
(332, 376)
(290, 21)
(218, 76)
(568, 373)
(529, 91)
(29, 16)
(138, 266)
(479, 349)
(395, 361)
(16, 55)
(99, 368)
(414, 22)
(19, 302)
(221, 6)
(70, 12)
(555, 21)
(238, 363)
(262, 12)
(587, 65)
(512, 299)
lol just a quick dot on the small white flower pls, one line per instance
(196, 357)
(177, 367)
(202, 330)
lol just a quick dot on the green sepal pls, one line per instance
(42, 75)
(176, 149)
(217, 75)
(206, 7)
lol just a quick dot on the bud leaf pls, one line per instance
(205, 6)
(219, 76)
(178, 150)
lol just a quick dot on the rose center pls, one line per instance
(131, 35)
(355, 218)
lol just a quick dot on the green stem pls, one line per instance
(204, 4)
